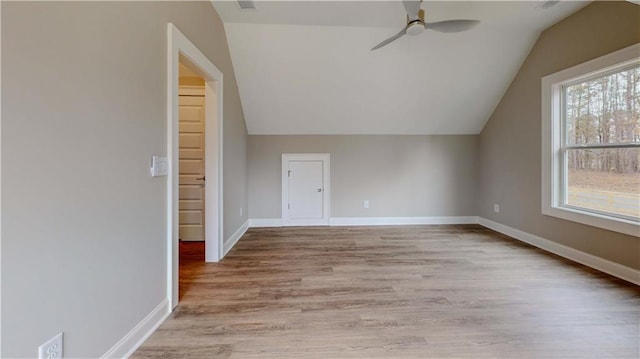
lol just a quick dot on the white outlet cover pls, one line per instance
(52, 349)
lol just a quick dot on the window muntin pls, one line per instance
(600, 143)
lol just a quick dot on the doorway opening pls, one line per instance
(209, 228)
(191, 170)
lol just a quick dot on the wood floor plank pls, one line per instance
(394, 292)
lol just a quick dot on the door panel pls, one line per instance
(187, 204)
(305, 190)
(192, 231)
(194, 167)
(191, 192)
(191, 168)
(190, 217)
(191, 154)
(190, 140)
(189, 127)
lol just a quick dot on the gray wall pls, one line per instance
(401, 176)
(83, 109)
(510, 143)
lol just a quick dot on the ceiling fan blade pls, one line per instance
(452, 25)
(412, 7)
(391, 39)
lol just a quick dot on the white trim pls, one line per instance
(326, 195)
(305, 222)
(373, 221)
(177, 45)
(265, 222)
(213, 191)
(552, 141)
(235, 237)
(0, 180)
(401, 221)
(617, 270)
(126, 346)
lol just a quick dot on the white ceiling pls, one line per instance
(305, 67)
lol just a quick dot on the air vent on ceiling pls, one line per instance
(247, 4)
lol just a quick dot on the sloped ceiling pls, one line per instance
(306, 67)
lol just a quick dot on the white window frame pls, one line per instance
(552, 132)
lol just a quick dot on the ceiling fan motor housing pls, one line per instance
(416, 26)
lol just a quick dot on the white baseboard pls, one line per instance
(373, 221)
(399, 221)
(617, 270)
(265, 222)
(134, 339)
(235, 237)
(305, 223)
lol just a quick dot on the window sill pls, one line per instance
(619, 225)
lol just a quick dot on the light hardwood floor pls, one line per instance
(395, 292)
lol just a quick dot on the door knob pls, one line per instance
(200, 178)
(319, 190)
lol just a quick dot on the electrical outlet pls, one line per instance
(365, 204)
(496, 208)
(52, 349)
(241, 212)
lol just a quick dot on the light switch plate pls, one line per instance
(52, 349)
(159, 166)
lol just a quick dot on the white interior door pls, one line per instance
(191, 164)
(305, 189)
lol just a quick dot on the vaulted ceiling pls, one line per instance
(305, 67)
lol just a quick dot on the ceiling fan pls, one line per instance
(416, 23)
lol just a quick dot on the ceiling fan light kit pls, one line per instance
(415, 28)
(416, 24)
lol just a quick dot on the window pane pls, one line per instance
(606, 180)
(604, 110)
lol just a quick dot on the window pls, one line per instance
(591, 142)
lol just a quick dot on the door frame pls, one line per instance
(326, 193)
(179, 46)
